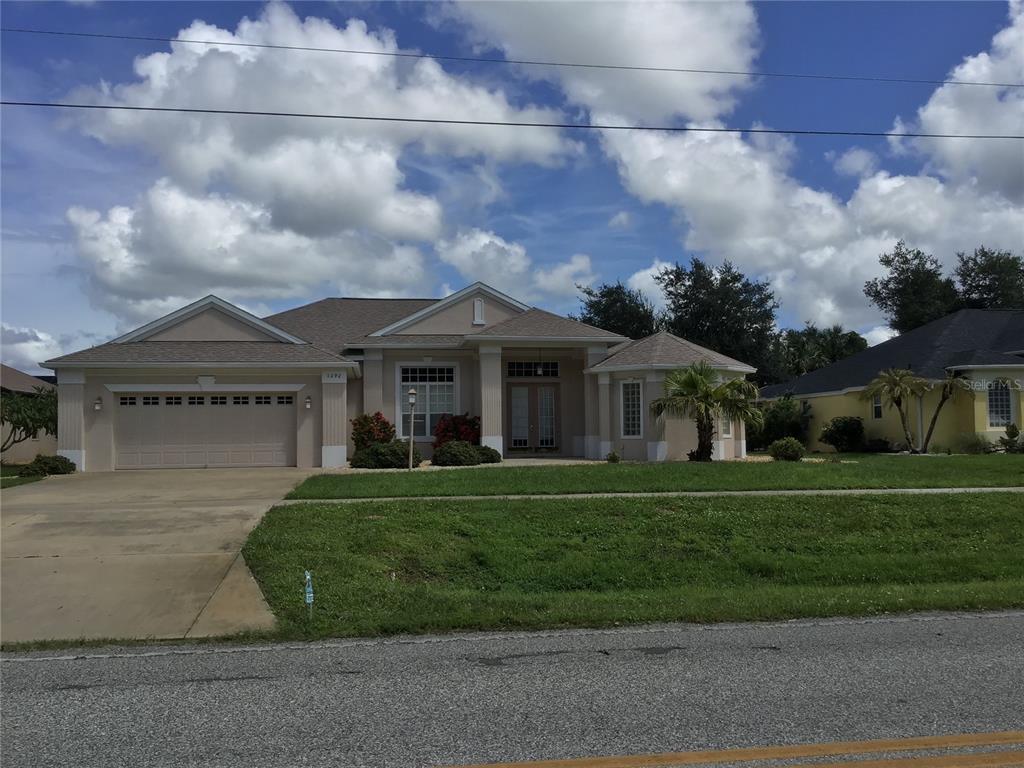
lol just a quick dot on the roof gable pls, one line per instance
(540, 324)
(405, 324)
(666, 350)
(213, 317)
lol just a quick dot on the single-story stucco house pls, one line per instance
(13, 380)
(212, 385)
(984, 346)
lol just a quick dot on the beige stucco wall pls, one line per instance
(28, 449)
(458, 317)
(210, 325)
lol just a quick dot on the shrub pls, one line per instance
(393, 455)
(455, 453)
(487, 455)
(41, 466)
(456, 426)
(613, 458)
(844, 433)
(371, 429)
(784, 417)
(877, 445)
(970, 442)
(786, 449)
(1012, 443)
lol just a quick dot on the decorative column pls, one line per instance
(71, 416)
(334, 394)
(604, 414)
(657, 446)
(741, 435)
(491, 421)
(373, 381)
(591, 438)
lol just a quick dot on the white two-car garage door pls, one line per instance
(154, 430)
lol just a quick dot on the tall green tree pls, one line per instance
(914, 291)
(720, 308)
(24, 415)
(700, 394)
(619, 309)
(990, 279)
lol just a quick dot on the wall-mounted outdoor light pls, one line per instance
(98, 404)
(309, 402)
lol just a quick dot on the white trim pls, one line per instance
(198, 306)
(718, 450)
(333, 456)
(204, 387)
(75, 456)
(591, 446)
(497, 442)
(622, 409)
(657, 450)
(988, 407)
(604, 447)
(448, 301)
(61, 365)
(533, 340)
(829, 393)
(409, 345)
(666, 367)
(743, 448)
(400, 396)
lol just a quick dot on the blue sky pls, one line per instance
(108, 222)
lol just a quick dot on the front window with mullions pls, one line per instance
(435, 397)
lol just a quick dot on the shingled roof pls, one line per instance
(537, 323)
(13, 380)
(970, 337)
(665, 350)
(150, 352)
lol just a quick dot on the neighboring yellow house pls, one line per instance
(986, 346)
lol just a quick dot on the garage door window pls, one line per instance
(240, 400)
(286, 400)
(218, 400)
(264, 399)
(151, 400)
(172, 400)
(196, 400)
(127, 400)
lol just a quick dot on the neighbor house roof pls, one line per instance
(537, 323)
(180, 352)
(665, 350)
(969, 337)
(13, 380)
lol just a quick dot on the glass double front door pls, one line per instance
(533, 425)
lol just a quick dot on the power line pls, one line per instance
(502, 123)
(528, 62)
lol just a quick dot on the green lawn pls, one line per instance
(9, 476)
(391, 567)
(868, 471)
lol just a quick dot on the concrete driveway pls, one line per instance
(141, 554)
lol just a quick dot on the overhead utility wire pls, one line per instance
(529, 62)
(502, 123)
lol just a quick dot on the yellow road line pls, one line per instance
(791, 751)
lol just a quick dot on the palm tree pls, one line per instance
(951, 385)
(896, 386)
(698, 393)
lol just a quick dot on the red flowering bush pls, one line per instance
(457, 427)
(369, 429)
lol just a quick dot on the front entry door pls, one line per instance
(533, 425)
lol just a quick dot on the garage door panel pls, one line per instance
(204, 431)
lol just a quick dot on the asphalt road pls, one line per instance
(477, 698)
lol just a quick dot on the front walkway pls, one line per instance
(140, 554)
(665, 494)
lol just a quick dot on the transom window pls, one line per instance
(172, 400)
(524, 369)
(632, 409)
(999, 410)
(435, 397)
(263, 399)
(876, 407)
(196, 400)
(127, 400)
(286, 399)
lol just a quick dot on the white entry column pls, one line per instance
(491, 417)
(334, 389)
(71, 416)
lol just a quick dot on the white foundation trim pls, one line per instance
(578, 445)
(334, 456)
(77, 457)
(657, 450)
(497, 442)
(604, 448)
(202, 388)
(592, 446)
(743, 449)
(718, 450)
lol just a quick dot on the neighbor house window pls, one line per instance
(876, 407)
(999, 413)
(435, 397)
(632, 409)
(520, 369)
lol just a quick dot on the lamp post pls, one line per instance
(412, 421)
